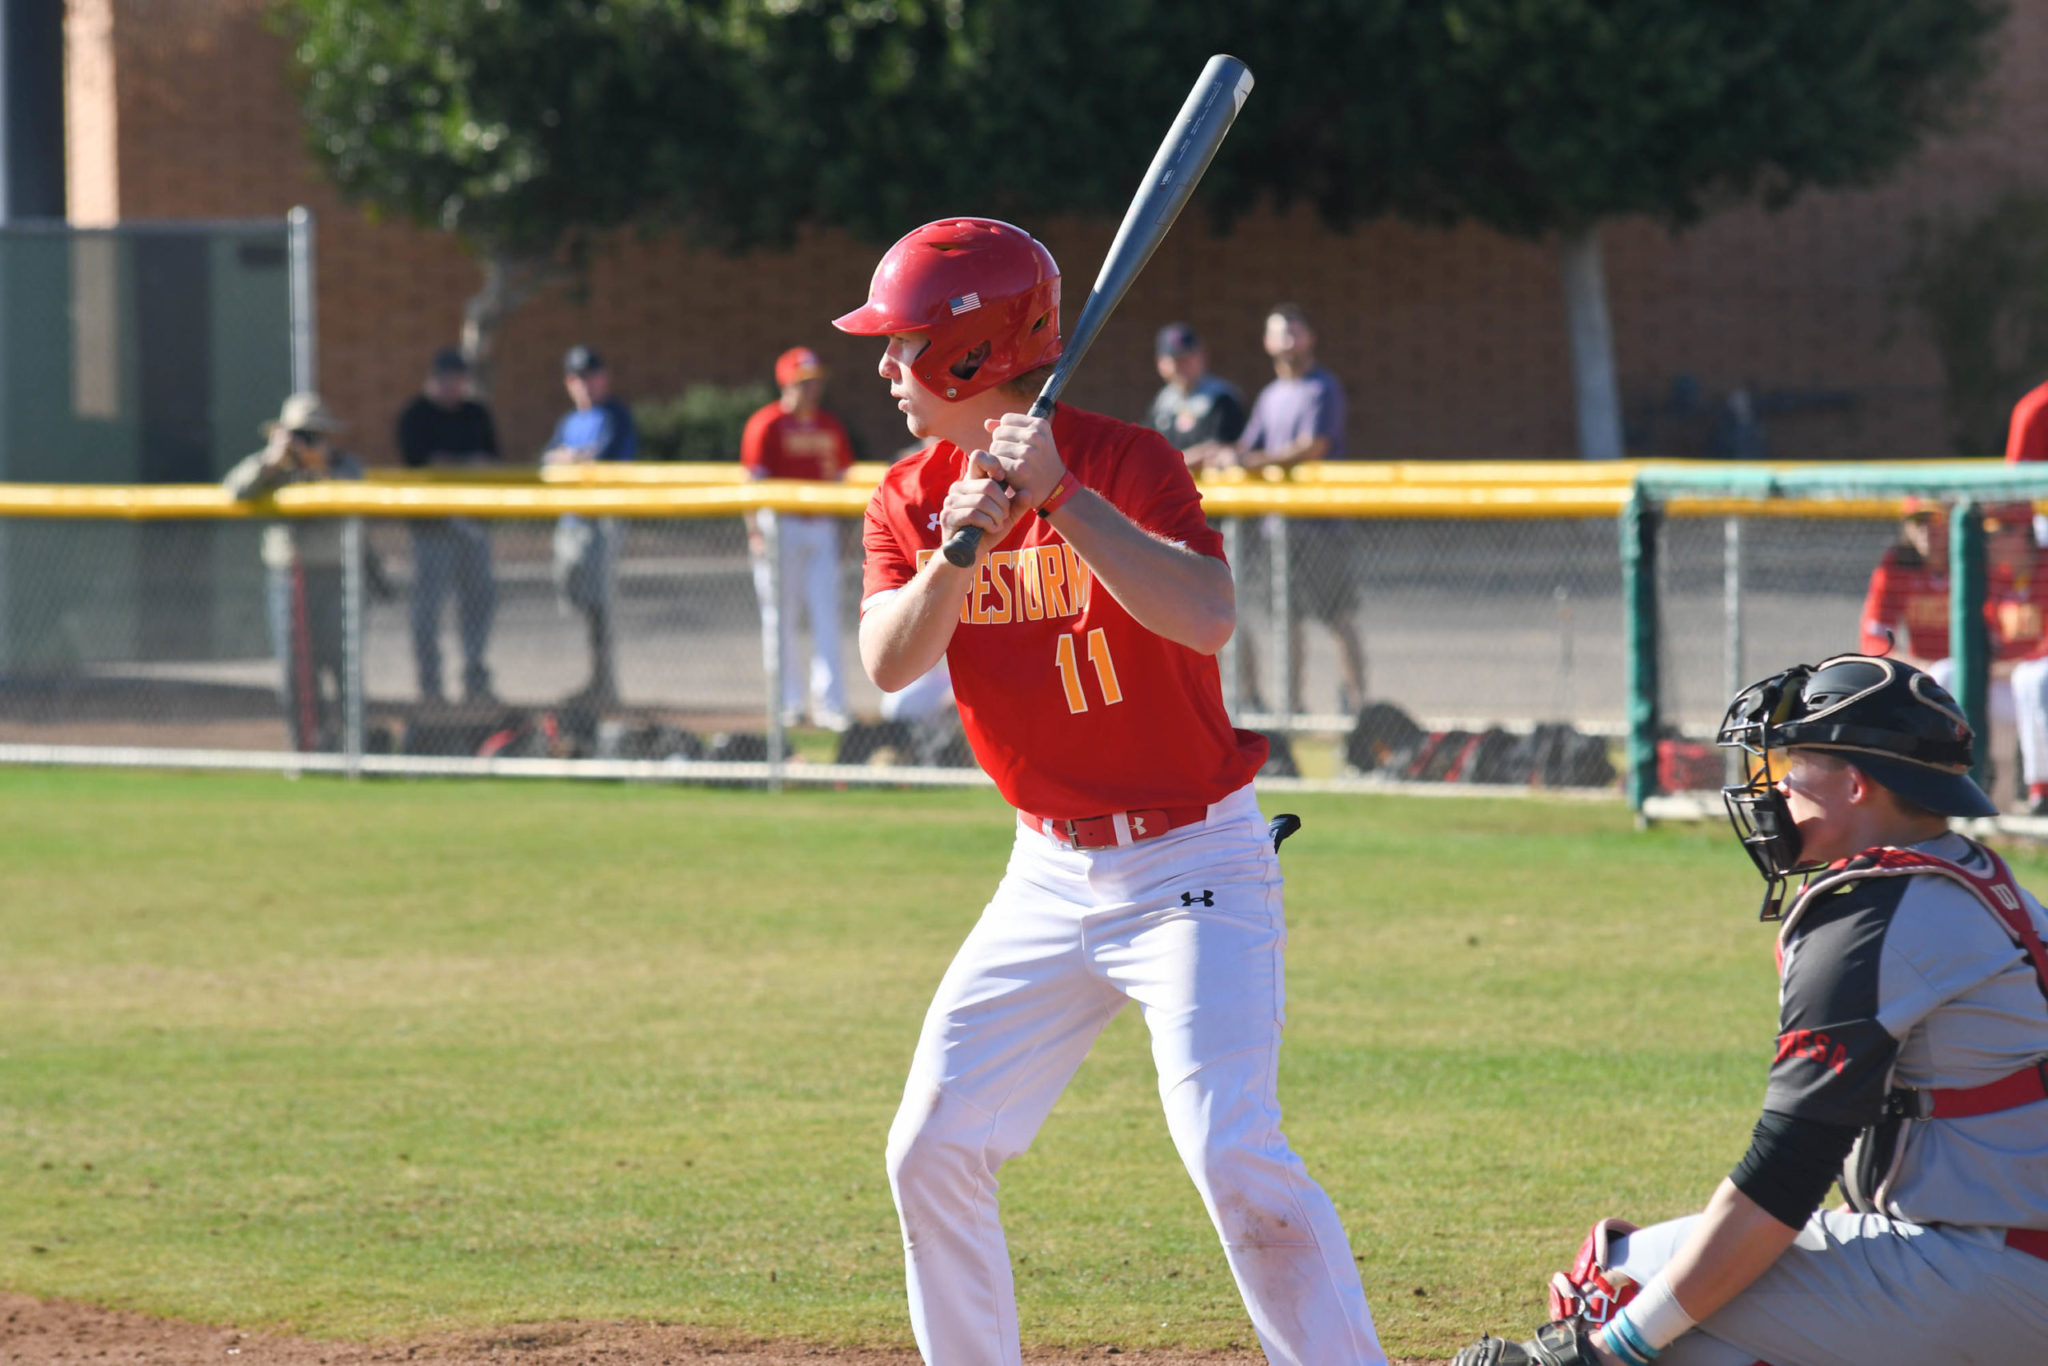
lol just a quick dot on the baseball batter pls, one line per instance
(1081, 643)
(1911, 1066)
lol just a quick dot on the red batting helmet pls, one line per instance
(966, 283)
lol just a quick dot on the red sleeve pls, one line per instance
(1154, 489)
(754, 441)
(884, 565)
(1881, 609)
(2028, 437)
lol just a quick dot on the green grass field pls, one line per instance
(379, 1058)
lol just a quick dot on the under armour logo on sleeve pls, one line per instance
(1207, 898)
(931, 522)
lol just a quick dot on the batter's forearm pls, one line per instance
(1170, 590)
(904, 637)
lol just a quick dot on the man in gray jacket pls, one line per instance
(302, 560)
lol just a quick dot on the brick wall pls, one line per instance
(1451, 343)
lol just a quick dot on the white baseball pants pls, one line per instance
(1189, 927)
(2030, 712)
(2021, 701)
(1858, 1289)
(809, 569)
(923, 696)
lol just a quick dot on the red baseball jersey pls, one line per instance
(781, 445)
(2014, 605)
(1906, 593)
(1071, 706)
(2027, 437)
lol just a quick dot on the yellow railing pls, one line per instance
(1480, 490)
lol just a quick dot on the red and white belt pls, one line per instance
(2011, 1091)
(2024, 1087)
(1116, 830)
(2032, 1241)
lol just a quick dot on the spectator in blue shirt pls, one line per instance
(599, 427)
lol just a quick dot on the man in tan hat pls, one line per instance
(302, 560)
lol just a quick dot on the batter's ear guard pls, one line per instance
(1281, 826)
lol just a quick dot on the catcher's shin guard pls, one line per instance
(1555, 1344)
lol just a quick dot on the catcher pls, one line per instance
(1911, 1066)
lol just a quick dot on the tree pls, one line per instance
(1544, 118)
(526, 127)
(875, 115)
(1981, 286)
(1540, 118)
(529, 125)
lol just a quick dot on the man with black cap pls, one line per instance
(445, 427)
(1198, 412)
(599, 427)
(1911, 1066)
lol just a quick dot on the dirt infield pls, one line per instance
(39, 1332)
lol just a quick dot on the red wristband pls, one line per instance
(1059, 495)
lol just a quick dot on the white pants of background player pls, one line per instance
(2020, 701)
(809, 567)
(1860, 1289)
(1068, 939)
(928, 694)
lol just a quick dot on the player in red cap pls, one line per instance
(1082, 645)
(794, 438)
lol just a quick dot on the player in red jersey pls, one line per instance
(1905, 611)
(794, 438)
(2016, 608)
(2026, 438)
(1905, 615)
(1082, 645)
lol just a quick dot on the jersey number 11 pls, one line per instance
(1070, 670)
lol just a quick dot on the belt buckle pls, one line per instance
(1908, 1102)
(1091, 832)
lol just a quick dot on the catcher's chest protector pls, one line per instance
(1866, 1175)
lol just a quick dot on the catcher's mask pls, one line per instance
(1890, 720)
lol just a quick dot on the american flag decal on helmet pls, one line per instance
(966, 303)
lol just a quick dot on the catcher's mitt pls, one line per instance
(1564, 1343)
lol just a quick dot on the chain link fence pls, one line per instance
(463, 645)
(1741, 597)
(1505, 649)
(1745, 596)
(1798, 548)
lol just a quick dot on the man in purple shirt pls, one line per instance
(1297, 417)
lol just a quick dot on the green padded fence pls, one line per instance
(1966, 487)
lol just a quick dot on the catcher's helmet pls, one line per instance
(1889, 719)
(966, 283)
